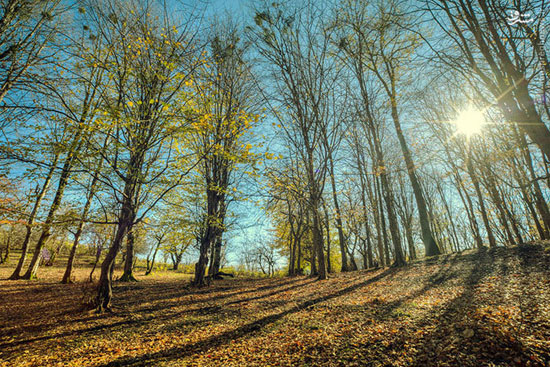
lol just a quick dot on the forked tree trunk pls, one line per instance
(125, 222)
(104, 288)
(200, 266)
(151, 259)
(210, 234)
(216, 259)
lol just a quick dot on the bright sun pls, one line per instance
(469, 122)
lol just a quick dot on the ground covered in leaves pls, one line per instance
(488, 308)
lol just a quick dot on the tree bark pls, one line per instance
(128, 274)
(104, 288)
(216, 259)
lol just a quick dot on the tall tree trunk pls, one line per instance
(327, 225)
(399, 259)
(206, 240)
(318, 244)
(314, 202)
(125, 222)
(410, 241)
(499, 204)
(429, 242)
(151, 262)
(475, 181)
(104, 288)
(5, 256)
(380, 228)
(62, 184)
(128, 274)
(218, 244)
(386, 252)
(53, 256)
(540, 202)
(70, 262)
(360, 164)
(93, 186)
(300, 270)
(292, 252)
(97, 256)
(216, 258)
(24, 247)
(454, 235)
(313, 261)
(341, 237)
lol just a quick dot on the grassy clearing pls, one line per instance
(473, 309)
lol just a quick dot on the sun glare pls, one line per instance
(469, 122)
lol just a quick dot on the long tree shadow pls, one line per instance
(381, 348)
(178, 303)
(148, 318)
(247, 330)
(123, 296)
(448, 270)
(183, 291)
(465, 344)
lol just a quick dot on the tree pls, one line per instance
(224, 118)
(294, 41)
(379, 43)
(26, 30)
(488, 47)
(149, 65)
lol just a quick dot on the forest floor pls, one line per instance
(487, 308)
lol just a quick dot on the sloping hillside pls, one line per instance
(489, 308)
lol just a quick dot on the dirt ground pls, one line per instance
(488, 308)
